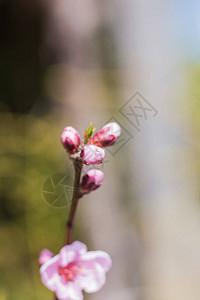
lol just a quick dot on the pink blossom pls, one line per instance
(92, 180)
(92, 155)
(73, 270)
(45, 255)
(107, 135)
(70, 139)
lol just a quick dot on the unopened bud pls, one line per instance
(92, 155)
(107, 135)
(70, 139)
(92, 180)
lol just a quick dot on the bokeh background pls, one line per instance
(71, 62)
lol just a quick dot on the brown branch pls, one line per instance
(78, 165)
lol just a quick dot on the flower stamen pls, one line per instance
(69, 272)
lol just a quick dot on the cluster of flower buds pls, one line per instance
(90, 150)
(74, 269)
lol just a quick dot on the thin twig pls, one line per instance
(77, 168)
(78, 165)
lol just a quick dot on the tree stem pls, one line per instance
(75, 198)
(78, 165)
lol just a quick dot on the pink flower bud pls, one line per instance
(92, 155)
(45, 255)
(70, 139)
(92, 180)
(107, 135)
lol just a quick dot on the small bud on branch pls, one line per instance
(92, 155)
(107, 135)
(92, 180)
(70, 139)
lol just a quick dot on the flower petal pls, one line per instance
(68, 291)
(94, 265)
(45, 255)
(49, 273)
(71, 252)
